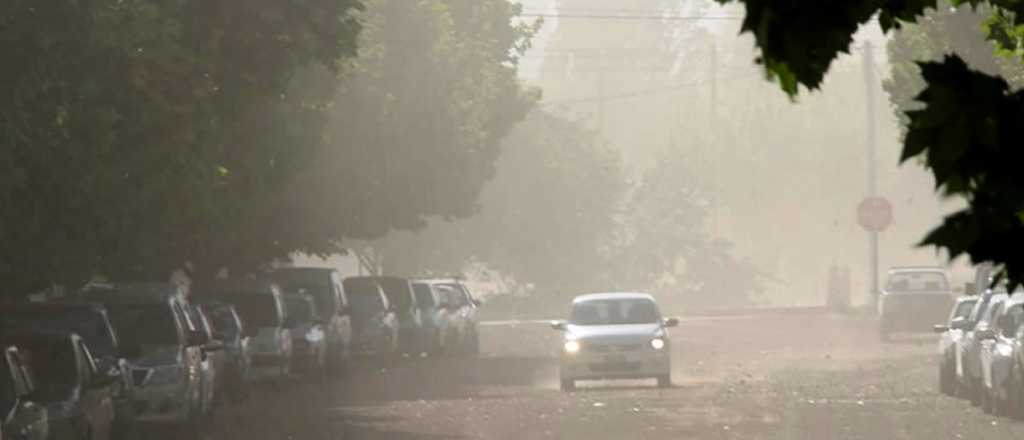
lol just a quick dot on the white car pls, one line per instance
(615, 336)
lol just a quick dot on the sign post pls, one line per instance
(874, 214)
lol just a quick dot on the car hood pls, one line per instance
(607, 332)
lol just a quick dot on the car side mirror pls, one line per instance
(104, 380)
(477, 302)
(940, 328)
(958, 323)
(670, 322)
(251, 331)
(213, 346)
(559, 325)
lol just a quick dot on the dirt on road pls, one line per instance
(813, 376)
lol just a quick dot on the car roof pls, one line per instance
(55, 306)
(917, 269)
(963, 299)
(15, 336)
(235, 286)
(612, 296)
(131, 293)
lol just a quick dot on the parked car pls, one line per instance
(951, 334)
(78, 397)
(263, 310)
(403, 304)
(971, 369)
(92, 323)
(1001, 394)
(166, 371)
(230, 330)
(20, 416)
(332, 304)
(374, 324)
(615, 336)
(212, 360)
(914, 299)
(438, 332)
(463, 310)
(309, 346)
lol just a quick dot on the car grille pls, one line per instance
(139, 376)
(614, 366)
(611, 348)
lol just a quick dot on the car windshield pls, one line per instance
(453, 294)
(145, 324)
(256, 310)
(424, 297)
(53, 366)
(300, 310)
(323, 295)
(397, 291)
(366, 303)
(8, 395)
(614, 312)
(917, 282)
(88, 324)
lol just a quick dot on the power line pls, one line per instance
(630, 17)
(639, 93)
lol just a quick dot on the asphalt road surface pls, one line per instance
(813, 376)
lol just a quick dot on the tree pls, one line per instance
(544, 220)
(119, 120)
(966, 132)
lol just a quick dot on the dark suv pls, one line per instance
(20, 416)
(76, 394)
(92, 323)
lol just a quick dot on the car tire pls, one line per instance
(975, 388)
(947, 378)
(665, 381)
(568, 385)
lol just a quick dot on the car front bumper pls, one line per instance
(639, 364)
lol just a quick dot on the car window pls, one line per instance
(398, 292)
(88, 324)
(54, 367)
(424, 296)
(963, 309)
(145, 324)
(993, 310)
(1016, 314)
(614, 312)
(86, 363)
(224, 320)
(917, 282)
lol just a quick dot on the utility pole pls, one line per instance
(714, 81)
(870, 82)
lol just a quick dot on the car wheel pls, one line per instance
(947, 379)
(975, 389)
(568, 385)
(987, 404)
(665, 381)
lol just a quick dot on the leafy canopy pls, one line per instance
(966, 131)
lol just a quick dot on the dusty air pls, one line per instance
(511, 219)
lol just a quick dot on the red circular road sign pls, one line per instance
(874, 214)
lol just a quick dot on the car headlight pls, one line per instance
(657, 343)
(166, 375)
(572, 347)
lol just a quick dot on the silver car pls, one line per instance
(615, 336)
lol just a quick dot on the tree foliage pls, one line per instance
(966, 132)
(139, 135)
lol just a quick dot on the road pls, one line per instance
(748, 377)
